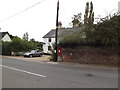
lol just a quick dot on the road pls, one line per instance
(26, 74)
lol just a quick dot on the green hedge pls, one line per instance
(6, 49)
(17, 45)
(105, 33)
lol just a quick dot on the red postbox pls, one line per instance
(59, 51)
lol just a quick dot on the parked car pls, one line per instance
(33, 53)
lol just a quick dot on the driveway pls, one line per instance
(42, 58)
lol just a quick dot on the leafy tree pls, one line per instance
(19, 45)
(77, 21)
(86, 14)
(88, 22)
(32, 40)
(38, 45)
(107, 31)
(89, 15)
(16, 44)
(25, 36)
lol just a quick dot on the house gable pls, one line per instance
(4, 36)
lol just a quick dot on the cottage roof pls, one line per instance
(51, 34)
(2, 34)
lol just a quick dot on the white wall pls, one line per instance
(119, 8)
(47, 43)
(6, 38)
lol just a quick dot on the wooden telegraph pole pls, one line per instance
(56, 34)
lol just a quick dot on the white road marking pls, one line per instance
(23, 71)
(52, 62)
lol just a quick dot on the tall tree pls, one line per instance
(86, 14)
(89, 15)
(25, 36)
(88, 21)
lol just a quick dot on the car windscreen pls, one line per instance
(33, 51)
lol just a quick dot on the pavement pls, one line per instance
(45, 59)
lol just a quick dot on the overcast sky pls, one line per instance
(40, 19)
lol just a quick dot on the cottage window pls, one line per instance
(49, 39)
(49, 47)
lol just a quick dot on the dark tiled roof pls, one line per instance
(51, 34)
(2, 34)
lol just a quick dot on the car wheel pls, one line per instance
(31, 56)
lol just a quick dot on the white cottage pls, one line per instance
(48, 40)
(5, 36)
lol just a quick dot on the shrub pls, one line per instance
(105, 33)
(17, 45)
(52, 50)
(73, 39)
(6, 49)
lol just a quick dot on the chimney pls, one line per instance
(59, 25)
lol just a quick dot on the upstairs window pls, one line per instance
(49, 40)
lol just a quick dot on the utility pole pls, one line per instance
(56, 34)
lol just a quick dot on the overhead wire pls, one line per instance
(21, 11)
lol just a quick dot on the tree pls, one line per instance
(77, 22)
(19, 45)
(25, 36)
(86, 14)
(89, 15)
(32, 40)
(88, 22)
(107, 31)
(37, 44)
(6, 49)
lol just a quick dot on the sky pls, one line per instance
(41, 18)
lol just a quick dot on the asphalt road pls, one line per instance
(27, 74)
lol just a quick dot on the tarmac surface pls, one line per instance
(46, 60)
(20, 72)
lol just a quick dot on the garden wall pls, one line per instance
(91, 55)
